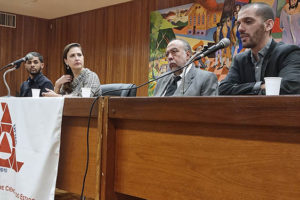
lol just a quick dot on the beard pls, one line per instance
(255, 38)
(34, 72)
(293, 6)
(174, 67)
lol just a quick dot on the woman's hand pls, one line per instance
(63, 79)
(50, 93)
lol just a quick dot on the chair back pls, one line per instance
(115, 89)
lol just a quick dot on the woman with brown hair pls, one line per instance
(76, 76)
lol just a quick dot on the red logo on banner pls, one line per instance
(7, 142)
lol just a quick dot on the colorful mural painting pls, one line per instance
(205, 23)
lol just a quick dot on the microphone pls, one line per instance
(18, 62)
(225, 42)
(24, 59)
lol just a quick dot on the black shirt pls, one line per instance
(39, 82)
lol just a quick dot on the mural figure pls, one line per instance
(226, 33)
(218, 54)
(290, 22)
(236, 46)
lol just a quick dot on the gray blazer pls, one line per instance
(197, 82)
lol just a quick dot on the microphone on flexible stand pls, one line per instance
(18, 62)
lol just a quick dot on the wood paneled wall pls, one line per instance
(30, 35)
(115, 41)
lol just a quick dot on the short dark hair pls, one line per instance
(36, 54)
(263, 10)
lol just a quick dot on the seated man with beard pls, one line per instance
(264, 58)
(36, 79)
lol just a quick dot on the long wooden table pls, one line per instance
(183, 148)
(200, 148)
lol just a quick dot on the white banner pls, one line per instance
(29, 147)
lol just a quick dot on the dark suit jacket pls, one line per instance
(197, 82)
(282, 60)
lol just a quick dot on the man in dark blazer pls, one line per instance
(265, 58)
(191, 81)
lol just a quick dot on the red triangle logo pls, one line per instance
(6, 116)
(4, 145)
